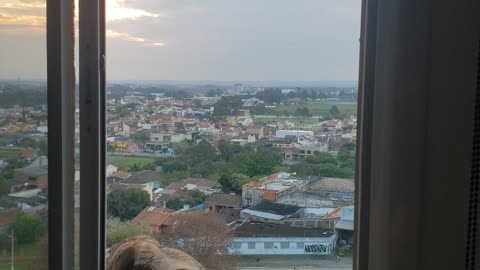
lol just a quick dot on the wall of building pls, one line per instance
(284, 245)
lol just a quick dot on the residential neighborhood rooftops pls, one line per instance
(275, 208)
(339, 184)
(252, 229)
(142, 177)
(192, 184)
(154, 217)
(223, 200)
(34, 171)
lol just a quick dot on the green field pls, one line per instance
(318, 108)
(297, 121)
(28, 251)
(8, 154)
(125, 163)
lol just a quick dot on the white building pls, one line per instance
(283, 133)
(274, 239)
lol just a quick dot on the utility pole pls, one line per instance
(13, 252)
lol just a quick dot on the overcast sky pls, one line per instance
(224, 40)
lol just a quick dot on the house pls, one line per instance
(255, 238)
(281, 134)
(146, 180)
(36, 176)
(203, 185)
(110, 169)
(27, 155)
(217, 202)
(117, 176)
(270, 188)
(132, 148)
(257, 132)
(266, 211)
(155, 218)
(311, 150)
(345, 225)
(282, 143)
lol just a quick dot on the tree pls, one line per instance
(12, 164)
(255, 163)
(321, 158)
(204, 236)
(40, 260)
(28, 143)
(4, 187)
(135, 168)
(305, 112)
(197, 154)
(27, 227)
(233, 182)
(43, 148)
(334, 110)
(193, 198)
(118, 231)
(228, 150)
(140, 137)
(127, 203)
(111, 148)
(205, 168)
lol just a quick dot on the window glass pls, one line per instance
(23, 135)
(233, 122)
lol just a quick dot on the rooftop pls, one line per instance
(154, 217)
(275, 208)
(338, 184)
(257, 229)
(34, 171)
(223, 200)
(142, 177)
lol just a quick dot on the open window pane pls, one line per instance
(231, 129)
(23, 136)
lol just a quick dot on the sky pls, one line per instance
(218, 40)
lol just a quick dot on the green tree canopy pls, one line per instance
(233, 182)
(334, 110)
(125, 204)
(27, 228)
(4, 187)
(255, 163)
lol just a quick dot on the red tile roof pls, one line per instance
(154, 217)
(334, 215)
(120, 174)
(27, 154)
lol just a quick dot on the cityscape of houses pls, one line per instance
(302, 206)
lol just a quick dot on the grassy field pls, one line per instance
(318, 108)
(124, 163)
(297, 121)
(8, 154)
(18, 266)
(29, 251)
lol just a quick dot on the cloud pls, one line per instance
(28, 16)
(129, 37)
(118, 10)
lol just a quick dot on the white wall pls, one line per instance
(311, 245)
